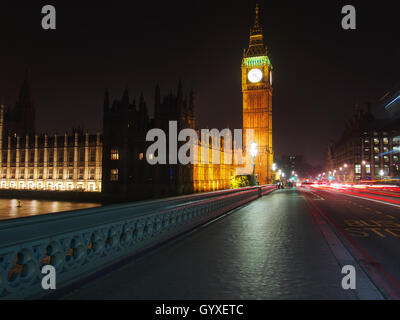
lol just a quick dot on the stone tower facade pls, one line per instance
(257, 101)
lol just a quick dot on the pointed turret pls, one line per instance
(256, 47)
(191, 100)
(180, 91)
(125, 98)
(143, 112)
(256, 29)
(23, 115)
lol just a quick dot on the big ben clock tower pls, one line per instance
(257, 101)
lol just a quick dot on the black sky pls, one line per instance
(321, 71)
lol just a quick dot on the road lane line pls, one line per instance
(366, 289)
(364, 198)
(386, 281)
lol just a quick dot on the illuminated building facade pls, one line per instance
(43, 162)
(208, 176)
(368, 149)
(125, 169)
(257, 100)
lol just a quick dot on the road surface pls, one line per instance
(277, 247)
(368, 221)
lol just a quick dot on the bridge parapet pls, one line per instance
(80, 243)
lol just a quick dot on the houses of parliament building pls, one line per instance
(114, 163)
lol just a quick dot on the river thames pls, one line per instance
(13, 208)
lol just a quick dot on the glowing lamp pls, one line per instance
(253, 149)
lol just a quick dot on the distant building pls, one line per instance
(290, 163)
(367, 150)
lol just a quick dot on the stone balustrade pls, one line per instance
(80, 243)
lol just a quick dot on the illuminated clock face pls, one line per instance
(255, 75)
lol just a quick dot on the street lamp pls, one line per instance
(253, 152)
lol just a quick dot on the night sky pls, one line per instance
(321, 71)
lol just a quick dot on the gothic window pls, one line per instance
(114, 154)
(82, 155)
(41, 155)
(92, 174)
(114, 175)
(22, 156)
(50, 155)
(71, 156)
(31, 156)
(81, 172)
(93, 155)
(70, 174)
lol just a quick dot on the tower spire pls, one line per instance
(256, 29)
(256, 46)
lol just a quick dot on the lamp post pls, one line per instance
(253, 152)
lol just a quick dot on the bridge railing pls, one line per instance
(79, 243)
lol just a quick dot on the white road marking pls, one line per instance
(316, 196)
(351, 195)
